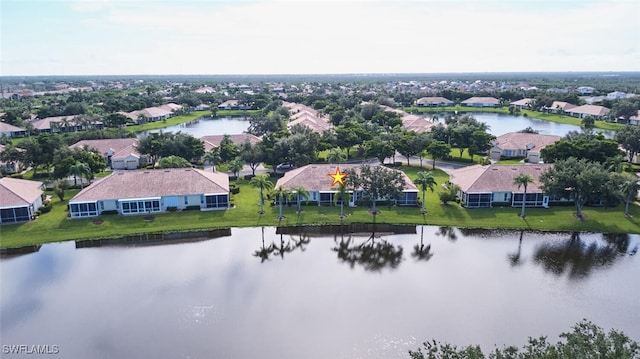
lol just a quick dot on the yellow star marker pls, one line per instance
(338, 177)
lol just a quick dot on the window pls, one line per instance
(216, 201)
(533, 199)
(409, 199)
(140, 205)
(326, 198)
(86, 209)
(478, 200)
(13, 215)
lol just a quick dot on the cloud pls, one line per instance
(278, 36)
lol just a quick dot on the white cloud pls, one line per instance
(359, 36)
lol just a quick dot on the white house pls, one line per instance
(481, 102)
(119, 153)
(315, 179)
(521, 145)
(487, 186)
(152, 191)
(19, 199)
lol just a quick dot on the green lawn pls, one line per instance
(54, 226)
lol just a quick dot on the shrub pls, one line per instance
(44, 209)
(248, 177)
(192, 208)
(234, 189)
(111, 211)
(172, 209)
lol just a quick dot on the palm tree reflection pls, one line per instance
(283, 247)
(515, 258)
(579, 258)
(420, 251)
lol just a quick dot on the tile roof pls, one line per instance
(16, 192)
(120, 147)
(154, 183)
(433, 100)
(593, 110)
(528, 141)
(213, 141)
(486, 100)
(497, 178)
(315, 177)
(306, 116)
(5, 127)
(522, 102)
(560, 105)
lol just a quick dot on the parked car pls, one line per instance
(284, 167)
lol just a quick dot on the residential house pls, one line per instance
(204, 89)
(315, 179)
(524, 103)
(481, 102)
(152, 191)
(585, 90)
(11, 130)
(410, 122)
(229, 105)
(213, 141)
(308, 117)
(59, 124)
(492, 185)
(558, 107)
(583, 111)
(19, 199)
(433, 102)
(616, 95)
(9, 167)
(521, 145)
(119, 153)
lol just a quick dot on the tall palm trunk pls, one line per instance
(524, 199)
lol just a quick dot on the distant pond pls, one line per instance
(260, 293)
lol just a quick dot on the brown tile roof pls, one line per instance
(497, 178)
(315, 177)
(412, 122)
(306, 116)
(155, 183)
(213, 141)
(528, 141)
(18, 192)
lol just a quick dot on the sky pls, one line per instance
(138, 37)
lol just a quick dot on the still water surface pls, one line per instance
(261, 294)
(499, 124)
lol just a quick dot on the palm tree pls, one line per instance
(629, 189)
(301, 193)
(336, 156)
(523, 180)
(236, 166)
(425, 180)
(212, 157)
(343, 196)
(79, 169)
(281, 195)
(262, 183)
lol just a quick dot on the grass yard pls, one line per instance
(54, 226)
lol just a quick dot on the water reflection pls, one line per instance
(420, 251)
(515, 258)
(373, 254)
(280, 248)
(219, 298)
(579, 258)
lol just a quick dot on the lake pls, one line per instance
(205, 126)
(499, 125)
(257, 293)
